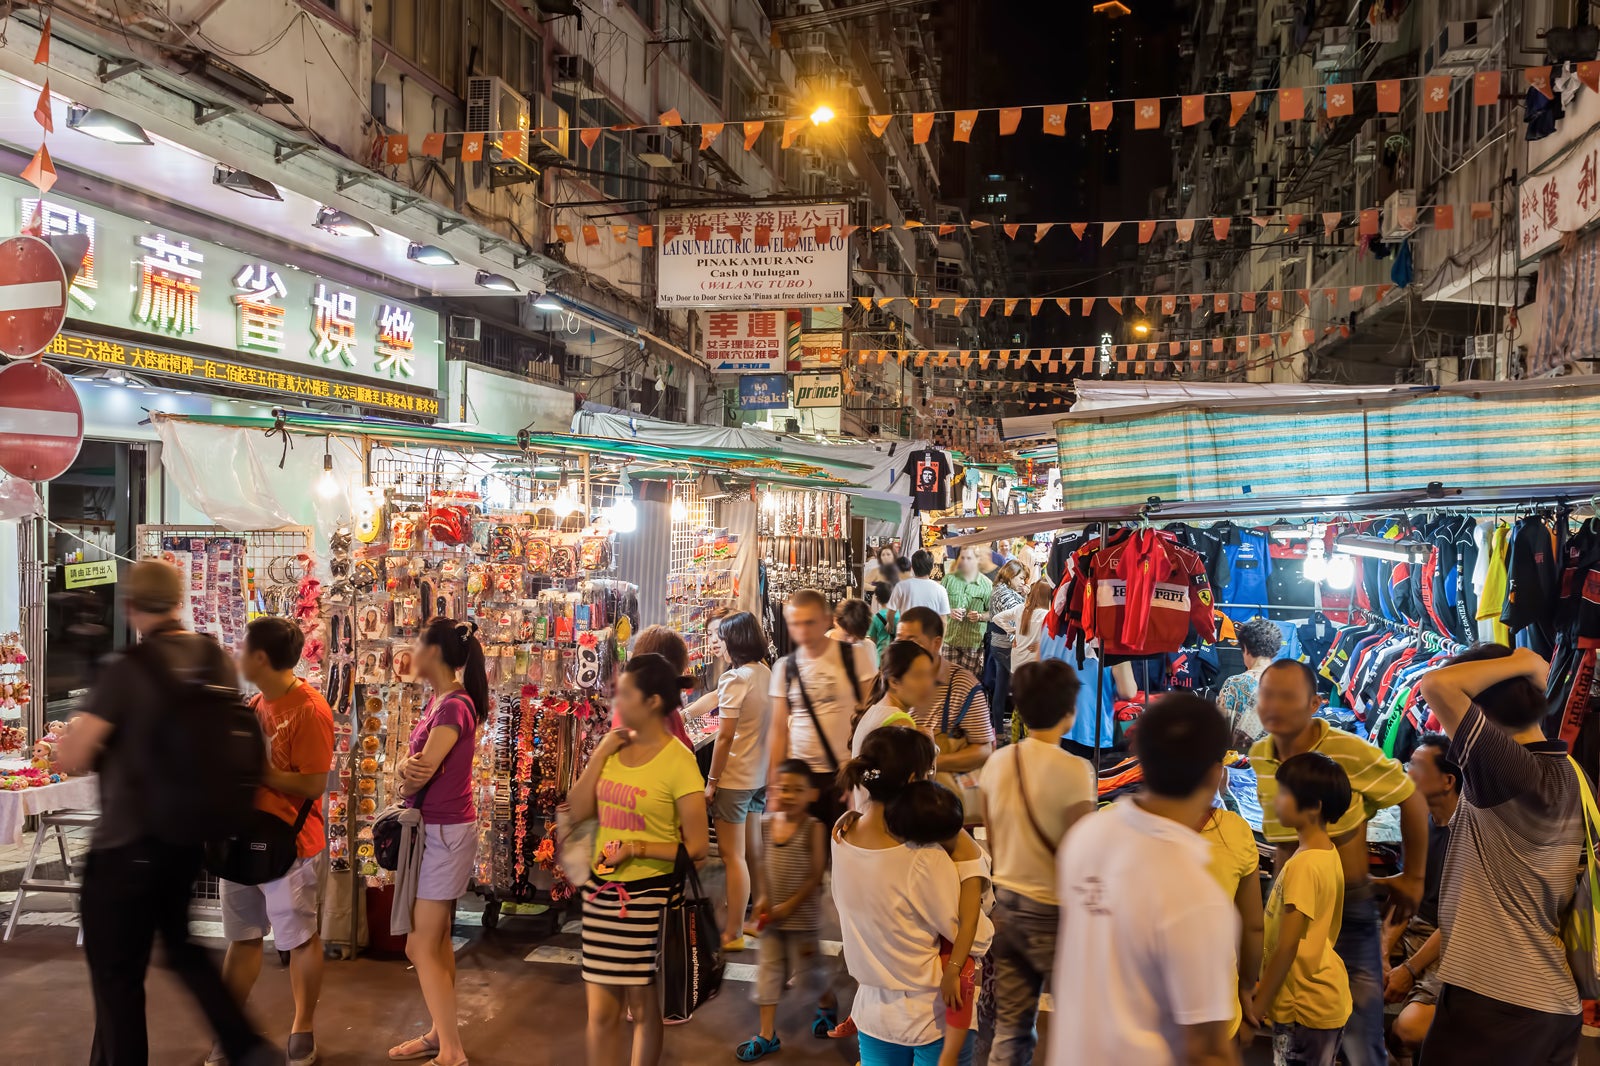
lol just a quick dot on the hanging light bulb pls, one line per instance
(327, 484)
(769, 502)
(1316, 565)
(1341, 571)
(566, 501)
(680, 510)
(624, 516)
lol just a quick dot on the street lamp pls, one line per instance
(1141, 329)
(823, 114)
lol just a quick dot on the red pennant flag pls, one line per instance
(1169, 305)
(671, 117)
(1260, 221)
(1193, 109)
(1055, 120)
(1219, 303)
(736, 232)
(791, 236)
(702, 234)
(1142, 303)
(1389, 96)
(1436, 94)
(1588, 72)
(1147, 114)
(1116, 303)
(433, 146)
(41, 54)
(1340, 100)
(1241, 344)
(709, 132)
(1011, 229)
(763, 236)
(824, 235)
(1308, 336)
(1079, 229)
(1195, 300)
(1356, 292)
(984, 305)
(752, 132)
(1010, 119)
(1305, 296)
(1185, 229)
(589, 135)
(1147, 229)
(620, 233)
(1040, 229)
(471, 147)
(1330, 222)
(647, 236)
(1216, 346)
(1065, 304)
(40, 172)
(1444, 216)
(1344, 331)
(1369, 222)
(1275, 300)
(1194, 349)
(965, 121)
(396, 150)
(41, 110)
(1292, 223)
(1088, 305)
(1239, 103)
(1106, 230)
(877, 124)
(1383, 290)
(1100, 114)
(1486, 88)
(1220, 227)
(1291, 104)
(1482, 209)
(1247, 302)
(514, 144)
(848, 231)
(1174, 348)
(946, 229)
(564, 233)
(1283, 338)
(921, 127)
(1332, 296)
(791, 130)
(591, 234)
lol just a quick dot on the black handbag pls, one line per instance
(262, 851)
(386, 829)
(691, 946)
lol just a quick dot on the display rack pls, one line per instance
(804, 542)
(702, 571)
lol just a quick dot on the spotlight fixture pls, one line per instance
(549, 304)
(624, 515)
(1397, 551)
(1341, 571)
(105, 125)
(429, 255)
(496, 282)
(710, 488)
(245, 184)
(343, 224)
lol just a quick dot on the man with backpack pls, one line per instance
(152, 713)
(815, 694)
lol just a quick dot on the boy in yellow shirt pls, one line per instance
(1304, 991)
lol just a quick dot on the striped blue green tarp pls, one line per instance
(1527, 439)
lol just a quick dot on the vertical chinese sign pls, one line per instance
(744, 342)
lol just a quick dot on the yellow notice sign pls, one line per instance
(82, 575)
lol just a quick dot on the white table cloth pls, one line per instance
(73, 794)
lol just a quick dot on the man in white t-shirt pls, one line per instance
(1033, 792)
(812, 688)
(919, 591)
(1146, 953)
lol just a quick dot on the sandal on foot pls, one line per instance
(843, 1030)
(413, 1050)
(736, 944)
(757, 1047)
(436, 1062)
(824, 1021)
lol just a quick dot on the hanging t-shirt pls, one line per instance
(1249, 566)
(929, 471)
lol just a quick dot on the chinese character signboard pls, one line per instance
(782, 256)
(818, 390)
(1561, 200)
(763, 392)
(164, 285)
(738, 342)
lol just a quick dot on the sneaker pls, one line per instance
(302, 1049)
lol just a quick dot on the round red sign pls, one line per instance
(33, 296)
(41, 422)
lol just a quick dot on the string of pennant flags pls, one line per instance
(1164, 304)
(1336, 100)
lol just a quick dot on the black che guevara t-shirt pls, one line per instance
(929, 471)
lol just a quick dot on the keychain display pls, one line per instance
(804, 544)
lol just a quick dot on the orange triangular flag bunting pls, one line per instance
(41, 110)
(1330, 222)
(959, 306)
(1106, 230)
(647, 236)
(791, 130)
(884, 301)
(41, 54)
(1142, 303)
(1220, 227)
(921, 127)
(1185, 229)
(1169, 305)
(984, 305)
(471, 147)
(1116, 303)
(1034, 305)
(1292, 223)
(1219, 303)
(620, 233)
(1444, 216)
(1247, 302)
(591, 234)
(1389, 96)
(1588, 72)
(40, 172)
(1239, 103)
(702, 234)
(1283, 338)
(564, 233)
(1065, 303)
(946, 229)
(1040, 229)
(1079, 229)
(763, 237)
(1193, 109)
(1147, 229)
(1436, 94)
(752, 132)
(1486, 88)
(878, 124)
(396, 150)
(1308, 336)
(1383, 290)
(865, 302)
(1100, 114)
(433, 146)
(709, 132)
(1055, 119)
(1356, 292)
(1011, 307)
(965, 121)
(1332, 296)
(1482, 209)
(669, 232)
(1291, 104)
(671, 117)
(1305, 296)
(514, 144)
(824, 235)
(1370, 220)
(1195, 300)
(1340, 99)
(1011, 229)
(1147, 114)
(589, 135)
(1259, 221)
(1010, 119)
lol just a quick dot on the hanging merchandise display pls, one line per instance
(805, 544)
(233, 576)
(928, 472)
(702, 575)
(15, 692)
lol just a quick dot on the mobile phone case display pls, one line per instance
(15, 692)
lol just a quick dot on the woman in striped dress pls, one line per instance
(646, 791)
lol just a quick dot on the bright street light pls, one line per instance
(822, 114)
(1141, 329)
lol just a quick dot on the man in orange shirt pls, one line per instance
(299, 727)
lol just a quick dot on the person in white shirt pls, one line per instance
(814, 700)
(1030, 626)
(1147, 947)
(906, 679)
(919, 590)
(1033, 792)
(739, 761)
(852, 621)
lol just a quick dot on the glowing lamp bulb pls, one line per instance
(821, 115)
(680, 510)
(1316, 568)
(1341, 571)
(327, 484)
(624, 515)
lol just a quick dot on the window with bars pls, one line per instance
(446, 37)
(700, 48)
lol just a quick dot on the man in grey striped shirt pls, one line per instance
(1515, 844)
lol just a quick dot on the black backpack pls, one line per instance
(203, 756)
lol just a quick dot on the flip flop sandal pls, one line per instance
(757, 1047)
(420, 1049)
(822, 1025)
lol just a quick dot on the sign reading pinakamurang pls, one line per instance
(787, 256)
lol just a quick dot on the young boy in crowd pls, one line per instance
(794, 853)
(1304, 990)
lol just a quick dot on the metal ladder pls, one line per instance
(61, 822)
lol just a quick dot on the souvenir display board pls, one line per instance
(702, 577)
(805, 544)
(15, 692)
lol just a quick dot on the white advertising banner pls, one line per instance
(818, 390)
(745, 342)
(788, 256)
(1563, 199)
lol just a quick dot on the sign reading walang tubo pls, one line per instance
(818, 390)
(791, 256)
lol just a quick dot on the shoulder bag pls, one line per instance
(791, 669)
(964, 784)
(1580, 930)
(1027, 805)
(691, 946)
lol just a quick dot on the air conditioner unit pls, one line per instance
(656, 149)
(553, 142)
(1401, 201)
(771, 105)
(465, 328)
(1486, 357)
(575, 75)
(812, 43)
(812, 162)
(493, 109)
(1368, 141)
(1331, 49)
(1460, 46)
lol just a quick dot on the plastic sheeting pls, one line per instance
(1569, 287)
(234, 477)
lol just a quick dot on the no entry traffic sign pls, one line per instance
(41, 422)
(33, 296)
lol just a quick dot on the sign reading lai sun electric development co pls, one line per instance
(787, 256)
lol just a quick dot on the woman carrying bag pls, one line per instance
(436, 777)
(646, 791)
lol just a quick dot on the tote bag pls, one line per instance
(691, 946)
(1580, 932)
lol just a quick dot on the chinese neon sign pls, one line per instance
(259, 310)
(169, 285)
(334, 325)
